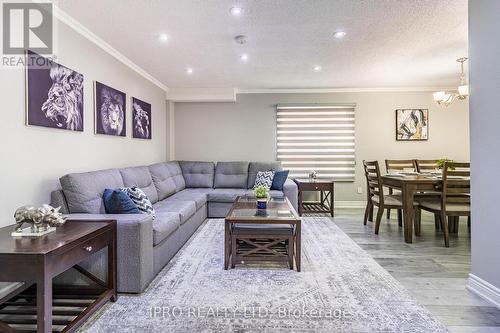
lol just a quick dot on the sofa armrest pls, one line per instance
(134, 250)
(291, 191)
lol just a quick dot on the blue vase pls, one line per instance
(261, 204)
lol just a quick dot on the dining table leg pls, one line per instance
(408, 192)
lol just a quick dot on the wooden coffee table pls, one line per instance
(35, 261)
(273, 234)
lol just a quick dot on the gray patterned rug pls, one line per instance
(340, 289)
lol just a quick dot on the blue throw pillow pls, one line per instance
(118, 202)
(279, 179)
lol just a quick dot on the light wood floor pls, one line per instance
(435, 275)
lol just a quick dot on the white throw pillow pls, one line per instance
(140, 199)
(264, 178)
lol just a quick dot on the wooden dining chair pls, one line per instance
(454, 200)
(392, 166)
(426, 165)
(376, 196)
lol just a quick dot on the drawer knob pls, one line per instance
(88, 248)
(316, 187)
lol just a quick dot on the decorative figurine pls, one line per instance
(313, 175)
(40, 218)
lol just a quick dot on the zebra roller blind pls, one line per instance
(316, 137)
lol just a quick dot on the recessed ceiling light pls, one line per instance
(189, 70)
(316, 68)
(236, 11)
(339, 34)
(244, 57)
(163, 38)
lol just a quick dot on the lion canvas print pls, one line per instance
(110, 108)
(141, 119)
(54, 94)
(412, 124)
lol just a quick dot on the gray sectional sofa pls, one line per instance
(183, 194)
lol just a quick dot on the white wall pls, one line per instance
(33, 158)
(484, 22)
(245, 130)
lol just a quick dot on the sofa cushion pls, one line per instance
(118, 202)
(198, 195)
(264, 178)
(141, 200)
(176, 173)
(164, 225)
(225, 194)
(140, 177)
(231, 175)
(83, 191)
(185, 209)
(162, 179)
(279, 180)
(255, 167)
(198, 174)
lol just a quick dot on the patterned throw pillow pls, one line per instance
(141, 200)
(264, 178)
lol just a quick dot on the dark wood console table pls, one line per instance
(35, 261)
(326, 192)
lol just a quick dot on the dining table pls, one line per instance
(409, 185)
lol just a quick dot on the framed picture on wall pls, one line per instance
(141, 119)
(54, 94)
(412, 124)
(110, 108)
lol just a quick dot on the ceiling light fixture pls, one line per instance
(241, 39)
(189, 70)
(236, 11)
(163, 38)
(316, 68)
(445, 98)
(339, 34)
(244, 57)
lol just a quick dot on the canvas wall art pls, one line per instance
(54, 94)
(141, 119)
(110, 108)
(412, 124)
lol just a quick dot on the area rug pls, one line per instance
(340, 289)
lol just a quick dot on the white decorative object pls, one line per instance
(43, 220)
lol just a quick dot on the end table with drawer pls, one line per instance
(35, 261)
(326, 196)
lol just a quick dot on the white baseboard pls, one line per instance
(484, 289)
(350, 204)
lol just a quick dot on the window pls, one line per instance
(316, 137)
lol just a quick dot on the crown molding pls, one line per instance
(201, 95)
(340, 90)
(82, 30)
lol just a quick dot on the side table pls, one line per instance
(326, 193)
(35, 261)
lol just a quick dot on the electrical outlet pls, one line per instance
(360, 190)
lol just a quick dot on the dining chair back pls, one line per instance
(456, 183)
(426, 165)
(400, 165)
(373, 180)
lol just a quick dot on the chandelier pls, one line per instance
(445, 98)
